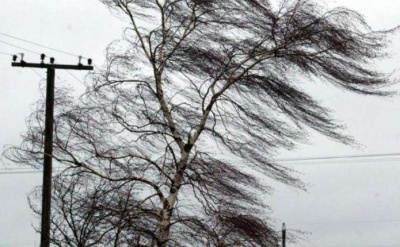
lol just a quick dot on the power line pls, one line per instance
(44, 46)
(299, 161)
(19, 47)
(21, 172)
(40, 45)
(47, 47)
(76, 78)
(6, 53)
(72, 75)
(9, 245)
(327, 158)
(309, 242)
(378, 155)
(38, 73)
(15, 168)
(32, 68)
(345, 222)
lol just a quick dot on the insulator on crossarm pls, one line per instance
(42, 56)
(14, 58)
(80, 59)
(52, 60)
(89, 61)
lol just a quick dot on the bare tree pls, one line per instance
(194, 101)
(88, 211)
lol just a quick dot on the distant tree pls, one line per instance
(88, 211)
(189, 110)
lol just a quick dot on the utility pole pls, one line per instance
(283, 235)
(48, 139)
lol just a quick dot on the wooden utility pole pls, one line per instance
(283, 235)
(48, 138)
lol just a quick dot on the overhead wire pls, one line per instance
(76, 78)
(337, 157)
(309, 242)
(72, 75)
(10, 245)
(37, 44)
(304, 161)
(20, 172)
(38, 73)
(23, 170)
(9, 54)
(43, 46)
(19, 47)
(345, 222)
(3, 53)
(351, 157)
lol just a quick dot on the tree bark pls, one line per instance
(169, 202)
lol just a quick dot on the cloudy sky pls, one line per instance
(349, 202)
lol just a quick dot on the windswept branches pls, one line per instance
(226, 227)
(92, 212)
(191, 107)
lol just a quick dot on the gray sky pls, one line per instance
(348, 203)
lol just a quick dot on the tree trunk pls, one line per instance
(169, 202)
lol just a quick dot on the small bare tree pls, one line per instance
(88, 211)
(192, 104)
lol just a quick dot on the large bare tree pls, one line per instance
(189, 110)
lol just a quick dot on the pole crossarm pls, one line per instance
(52, 66)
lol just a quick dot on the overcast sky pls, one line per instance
(349, 202)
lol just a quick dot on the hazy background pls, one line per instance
(349, 202)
